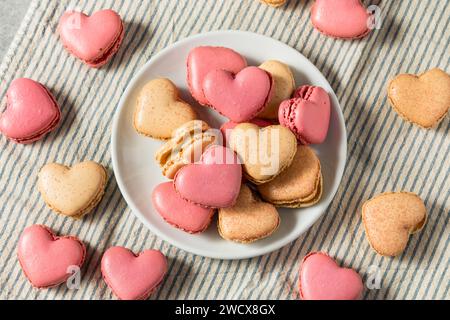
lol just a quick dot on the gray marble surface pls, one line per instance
(11, 15)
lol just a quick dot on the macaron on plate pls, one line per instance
(138, 174)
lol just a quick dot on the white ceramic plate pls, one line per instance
(137, 172)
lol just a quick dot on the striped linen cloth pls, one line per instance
(384, 152)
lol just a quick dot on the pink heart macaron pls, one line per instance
(178, 212)
(307, 115)
(131, 276)
(322, 279)
(201, 60)
(239, 97)
(31, 111)
(214, 181)
(346, 19)
(93, 39)
(47, 259)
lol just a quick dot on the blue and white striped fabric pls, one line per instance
(384, 152)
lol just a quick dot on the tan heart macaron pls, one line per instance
(74, 191)
(390, 218)
(186, 146)
(300, 185)
(160, 110)
(264, 152)
(274, 3)
(423, 100)
(284, 86)
(250, 219)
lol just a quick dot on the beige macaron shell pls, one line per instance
(171, 167)
(304, 202)
(189, 128)
(284, 86)
(72, 191)
(192, 150)
(423, 100)
(273, 3)
(261, 166)
(186, 146)
(300, 185)
(160, 110)
(250, 219)
(163, 154)
(390, 218)
(188, 153)
(179, 135)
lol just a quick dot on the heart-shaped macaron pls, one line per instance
(390, 218)
(264, 152)
(93, 39)
(284, 86)
(228, 126)
(300, 185)
(160, 110)
(74, 191)
(322, 279)
(423, 100)
(346, 19)
(202, 60)
(307, 115)
(130, 276)
(214, 181)
(31, 111)
(274, 3)
(45, 258)
(239, 97)
(178, 212)
(186, 146)
(250, 219)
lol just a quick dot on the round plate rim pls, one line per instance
(291, 237)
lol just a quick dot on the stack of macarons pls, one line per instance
(225, 171)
